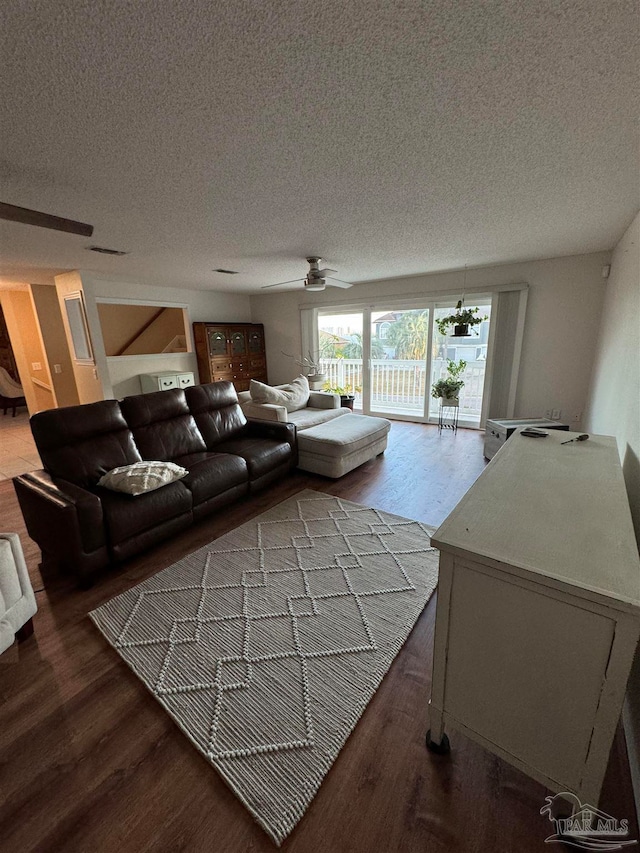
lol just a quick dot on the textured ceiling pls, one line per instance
(388, 137)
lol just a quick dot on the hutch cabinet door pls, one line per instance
(238, 341)
(256, 341)
(217, 339)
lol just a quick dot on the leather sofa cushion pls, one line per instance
(262, 455)
(210, 474)
(81, 443)
(127, 516)
(162, 425)
(216, 411)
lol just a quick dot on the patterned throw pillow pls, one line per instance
(142, 477)
(293, 396)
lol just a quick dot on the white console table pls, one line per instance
(538, 612)
(165, 381)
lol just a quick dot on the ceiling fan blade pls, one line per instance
(336, 282)
(43, 220)
(280, 283)
(323, 273)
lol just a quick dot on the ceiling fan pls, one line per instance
(316, 279)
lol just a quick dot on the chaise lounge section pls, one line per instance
(85, 527)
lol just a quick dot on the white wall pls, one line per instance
(614, 399)
(563, 311)
(120, 375)
(613, 408)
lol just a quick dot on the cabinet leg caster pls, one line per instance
(442, 748)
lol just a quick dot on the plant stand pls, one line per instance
(448, 419)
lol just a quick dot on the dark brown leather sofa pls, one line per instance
(84, 527)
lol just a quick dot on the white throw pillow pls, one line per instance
(142, 477)
(293, 396)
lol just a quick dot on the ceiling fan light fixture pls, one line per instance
(315, 284)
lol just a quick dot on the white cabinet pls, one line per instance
(538, 612)
(165, 380)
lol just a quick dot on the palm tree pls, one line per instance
(409, 335)
(354, 348)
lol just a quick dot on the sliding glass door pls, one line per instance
(340, 341)
(398, 361)
(390, 357)
(473, 350)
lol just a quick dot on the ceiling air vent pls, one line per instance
(228, 272)
(102, 251)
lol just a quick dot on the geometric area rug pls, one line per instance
(266, 646)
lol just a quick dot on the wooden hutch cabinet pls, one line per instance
(233, 351)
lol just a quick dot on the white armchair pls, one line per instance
(17, 601)
(321, 407)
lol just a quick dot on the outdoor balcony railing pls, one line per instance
(401, 385)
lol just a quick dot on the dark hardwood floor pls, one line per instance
(90, 763)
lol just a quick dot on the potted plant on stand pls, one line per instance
(347, 395)
(447, 389)
(462, 320)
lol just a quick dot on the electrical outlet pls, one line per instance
(556, 414)
(547, 414)
(577, 417)
(57, 368)
(35, 365)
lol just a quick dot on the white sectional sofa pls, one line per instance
(328, 443)
(321, 407)
(17, 600)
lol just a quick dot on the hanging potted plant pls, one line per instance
(347, 395)
(462, 320)
(447, 389)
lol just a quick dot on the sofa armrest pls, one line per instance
(17, 599)
(278, 432)
(323, 400)
(265, 412)
(61, 517)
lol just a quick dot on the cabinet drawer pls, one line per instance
(166, 382)
(185, 380)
